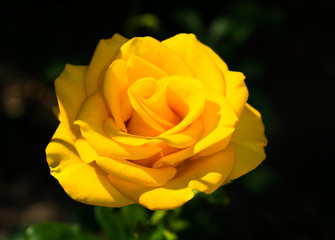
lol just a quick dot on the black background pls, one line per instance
(286, 52)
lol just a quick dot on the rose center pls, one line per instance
(152, 114)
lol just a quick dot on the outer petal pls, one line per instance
(70, 91)
(194, 53)
(105, 52)
(248, 142)
(205, 174)
(83, 182)
(236, 90)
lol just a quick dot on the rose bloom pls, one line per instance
(149, 122)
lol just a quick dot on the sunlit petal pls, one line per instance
(248, 142)
(91, 118)
(205, 174)
(194, 54)
(83, 182)
(104, 54)
(70, 92)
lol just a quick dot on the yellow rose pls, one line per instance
(148, 122)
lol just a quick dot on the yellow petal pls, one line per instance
(175, 158)
(135, 173)
(85, 151)
(186, 97)
(70, 91)
(156, 53)
(186, 137)
(91, 118)
(144, 88)
(83, 182)
(236, 90)
(205, 174)
(248, 142)
(140, 68)
(55, 111)
(137, 126)
(104, 54)
(182, 139)
(194, 53)
(115, 88)
(157, 105)
(219, 119)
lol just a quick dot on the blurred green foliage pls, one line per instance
(132, 222)
(138, 223)
(53, 231)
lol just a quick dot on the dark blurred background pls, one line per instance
(285, 49)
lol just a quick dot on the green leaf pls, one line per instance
(132, 215)
(57, 231)
(111, 223)
(157, 234)
(157, 216)
(169, 235)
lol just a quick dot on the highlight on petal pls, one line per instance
(156, 53)
(248, 142)
(91, 118)
(204, 174)
(104, 54)
(83, 182)
(236, 90)
(194, 54)
(70, 91)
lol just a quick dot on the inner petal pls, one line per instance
(115, 92)
(158, 107)
(186, 97)
(140, 68)
(147, 96)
